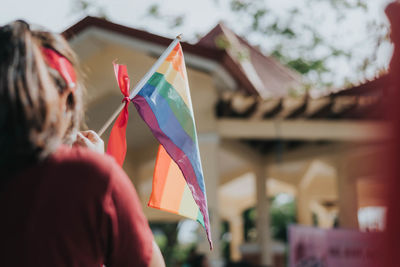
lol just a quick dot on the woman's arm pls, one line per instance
(130, 241)
(92, 141)
(157, 259)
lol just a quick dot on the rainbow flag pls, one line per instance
(164, 103)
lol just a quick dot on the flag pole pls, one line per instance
(141, 83)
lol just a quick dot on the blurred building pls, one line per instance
(259, 134)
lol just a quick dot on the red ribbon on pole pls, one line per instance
(117, 142)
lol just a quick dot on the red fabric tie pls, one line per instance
(117, 142)
(61, 64)
(126, 99)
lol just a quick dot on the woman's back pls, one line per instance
(60, 205)
(76, 208)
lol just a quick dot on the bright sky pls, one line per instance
(200, 16)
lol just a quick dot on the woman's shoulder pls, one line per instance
(81, 154)
(81, 160)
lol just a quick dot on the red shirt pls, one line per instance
(76, 208)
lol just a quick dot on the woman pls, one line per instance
(61, 203)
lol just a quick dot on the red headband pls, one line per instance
(58, 62)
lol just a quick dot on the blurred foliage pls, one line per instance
(173, 21)
(304, 66)
(225, 240)
(89, 8)
(259, 19)
(348, 4)
(304, 61)
(166, 237)
(262, 20)
(166, 234)
(314, 218)
(249, 222)
(175, 253)
(281, 216)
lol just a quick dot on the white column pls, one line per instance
(209, 146)
(304, 213)
(304, 200)
(347, 191)
(263, 225)
(237, 233)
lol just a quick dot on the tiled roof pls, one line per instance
(257, 75)
(264, 83)
(268, 77)
(358, 102)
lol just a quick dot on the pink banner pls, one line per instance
(333, 247)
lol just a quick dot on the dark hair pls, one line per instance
(37, 111)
